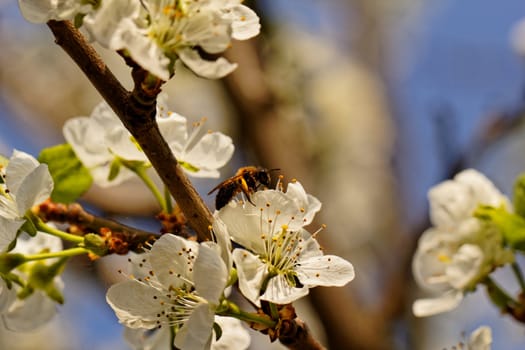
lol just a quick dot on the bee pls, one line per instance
(246, 180)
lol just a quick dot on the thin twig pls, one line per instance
(121, 237)
(137, 113)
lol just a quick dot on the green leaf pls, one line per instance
(71, 177)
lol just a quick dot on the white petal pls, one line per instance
(136, 304)
(196, 333)
(8, 229)
(7, 296)
(234, 335)
(140, 266)
(248, 223)
(251, 272)
(278, 291)
(223, 240)
(429, 307)
(327, 270)
(172, 255)
(147, 54)
(210, 274)
(112, 21)
(455, 200)
(480, 339)
(243, 225)
(87, 138)
(207, 69)
(119, 142)
(208, 31)
(41, 11)
(142, 339)
(213, 151)
(465, 266)
(30, 313)
(37, 11)
(480, 187)
(174, 130)
(310, 204)
(245, 22)
(34, 189)
(19, 167)
(310, 247)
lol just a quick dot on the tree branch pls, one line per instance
(295, 335)
(137, 111)
(121, 238)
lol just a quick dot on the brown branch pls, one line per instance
(120, 238)
(137, 111)
(295, 335)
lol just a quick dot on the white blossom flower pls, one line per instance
(454, 201)
(459, 251)
(36, 307)
(184, 286)
(279, 260)
(156, 32)
(234, 336)
(26, 183)
(41, 11)
(101, 139)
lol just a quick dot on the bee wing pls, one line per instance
(223, 183)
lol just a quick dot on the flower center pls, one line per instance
(282, 247)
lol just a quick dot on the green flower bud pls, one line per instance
(95, 244)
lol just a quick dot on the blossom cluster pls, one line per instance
(27, 300)
(460, 250)
(103, 144)
(24, 183)
(181, 285)
(156, 33)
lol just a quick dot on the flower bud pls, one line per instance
(95, 244)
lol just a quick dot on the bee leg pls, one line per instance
(246, 190)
